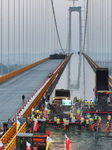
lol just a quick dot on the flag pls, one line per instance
(67, 142)
(46, 103)
(32, 110)
(18, 124)
(1, 145)
(28, 145)
(45, 110)
(49, 140)
(35, 127)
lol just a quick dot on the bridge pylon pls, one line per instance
(77, 9)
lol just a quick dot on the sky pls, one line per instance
(61, 10)
(9, 53)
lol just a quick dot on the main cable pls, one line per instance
(56, 26)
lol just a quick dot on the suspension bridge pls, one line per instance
(30, 32)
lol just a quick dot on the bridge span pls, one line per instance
(26, 83)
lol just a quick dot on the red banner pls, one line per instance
(35, 125)
(28, 145)
(67, 142)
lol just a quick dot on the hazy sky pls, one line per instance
(61, 8)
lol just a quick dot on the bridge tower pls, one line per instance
(78, 9)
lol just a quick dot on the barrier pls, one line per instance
(11, 133)
(12, 143)
(40, 95)
(8, 135)
(94, 66)
(16, 72)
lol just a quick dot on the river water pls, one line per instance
(79, 77)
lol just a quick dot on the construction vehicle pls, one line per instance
(102, 92)
(61, 101)
(36, 139)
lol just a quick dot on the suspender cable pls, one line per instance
(19, 34)
(48, 25)
(8, 36)
(23, 32)
(14, 34)
(1, 37)
(30, 31)
(35, 31)
(85, 30)
(111, 37)
(27, 32)
(56, 26)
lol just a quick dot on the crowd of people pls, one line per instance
(75, 118)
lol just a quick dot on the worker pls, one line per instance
(109, 117)
(64, 125)
(91, 104)
(108, 127)
(67, 124)
(95, 131)
(78, 113)
(23, 98)
(82, 121)
(71, 115)
(79, 125)
(87, 123)
(55, 118)
(29, 122)
(48, 112)
(58, 122)
(42, 108)
(47, 120)
(40, 113)
(75, 99)
(88, 115)
(91, 123)
(32, 116)
(73, 119)
(95, 118)
(99, 122)
(80, 100)
(86, 104)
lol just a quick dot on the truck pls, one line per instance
(61, 101)
(102, 91)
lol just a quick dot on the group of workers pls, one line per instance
(91, 122)
(85, 103)
(94, 122)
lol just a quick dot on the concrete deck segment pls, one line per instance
(25, 83)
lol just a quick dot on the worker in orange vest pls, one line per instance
(108, 127)
(64, 125)
(109, 117)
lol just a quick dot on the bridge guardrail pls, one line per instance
(16, 72)
(94, 66)
(8, 135)
(35, 102)
(12, 143)
(40, 95)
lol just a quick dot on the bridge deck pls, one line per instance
(26, 83)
